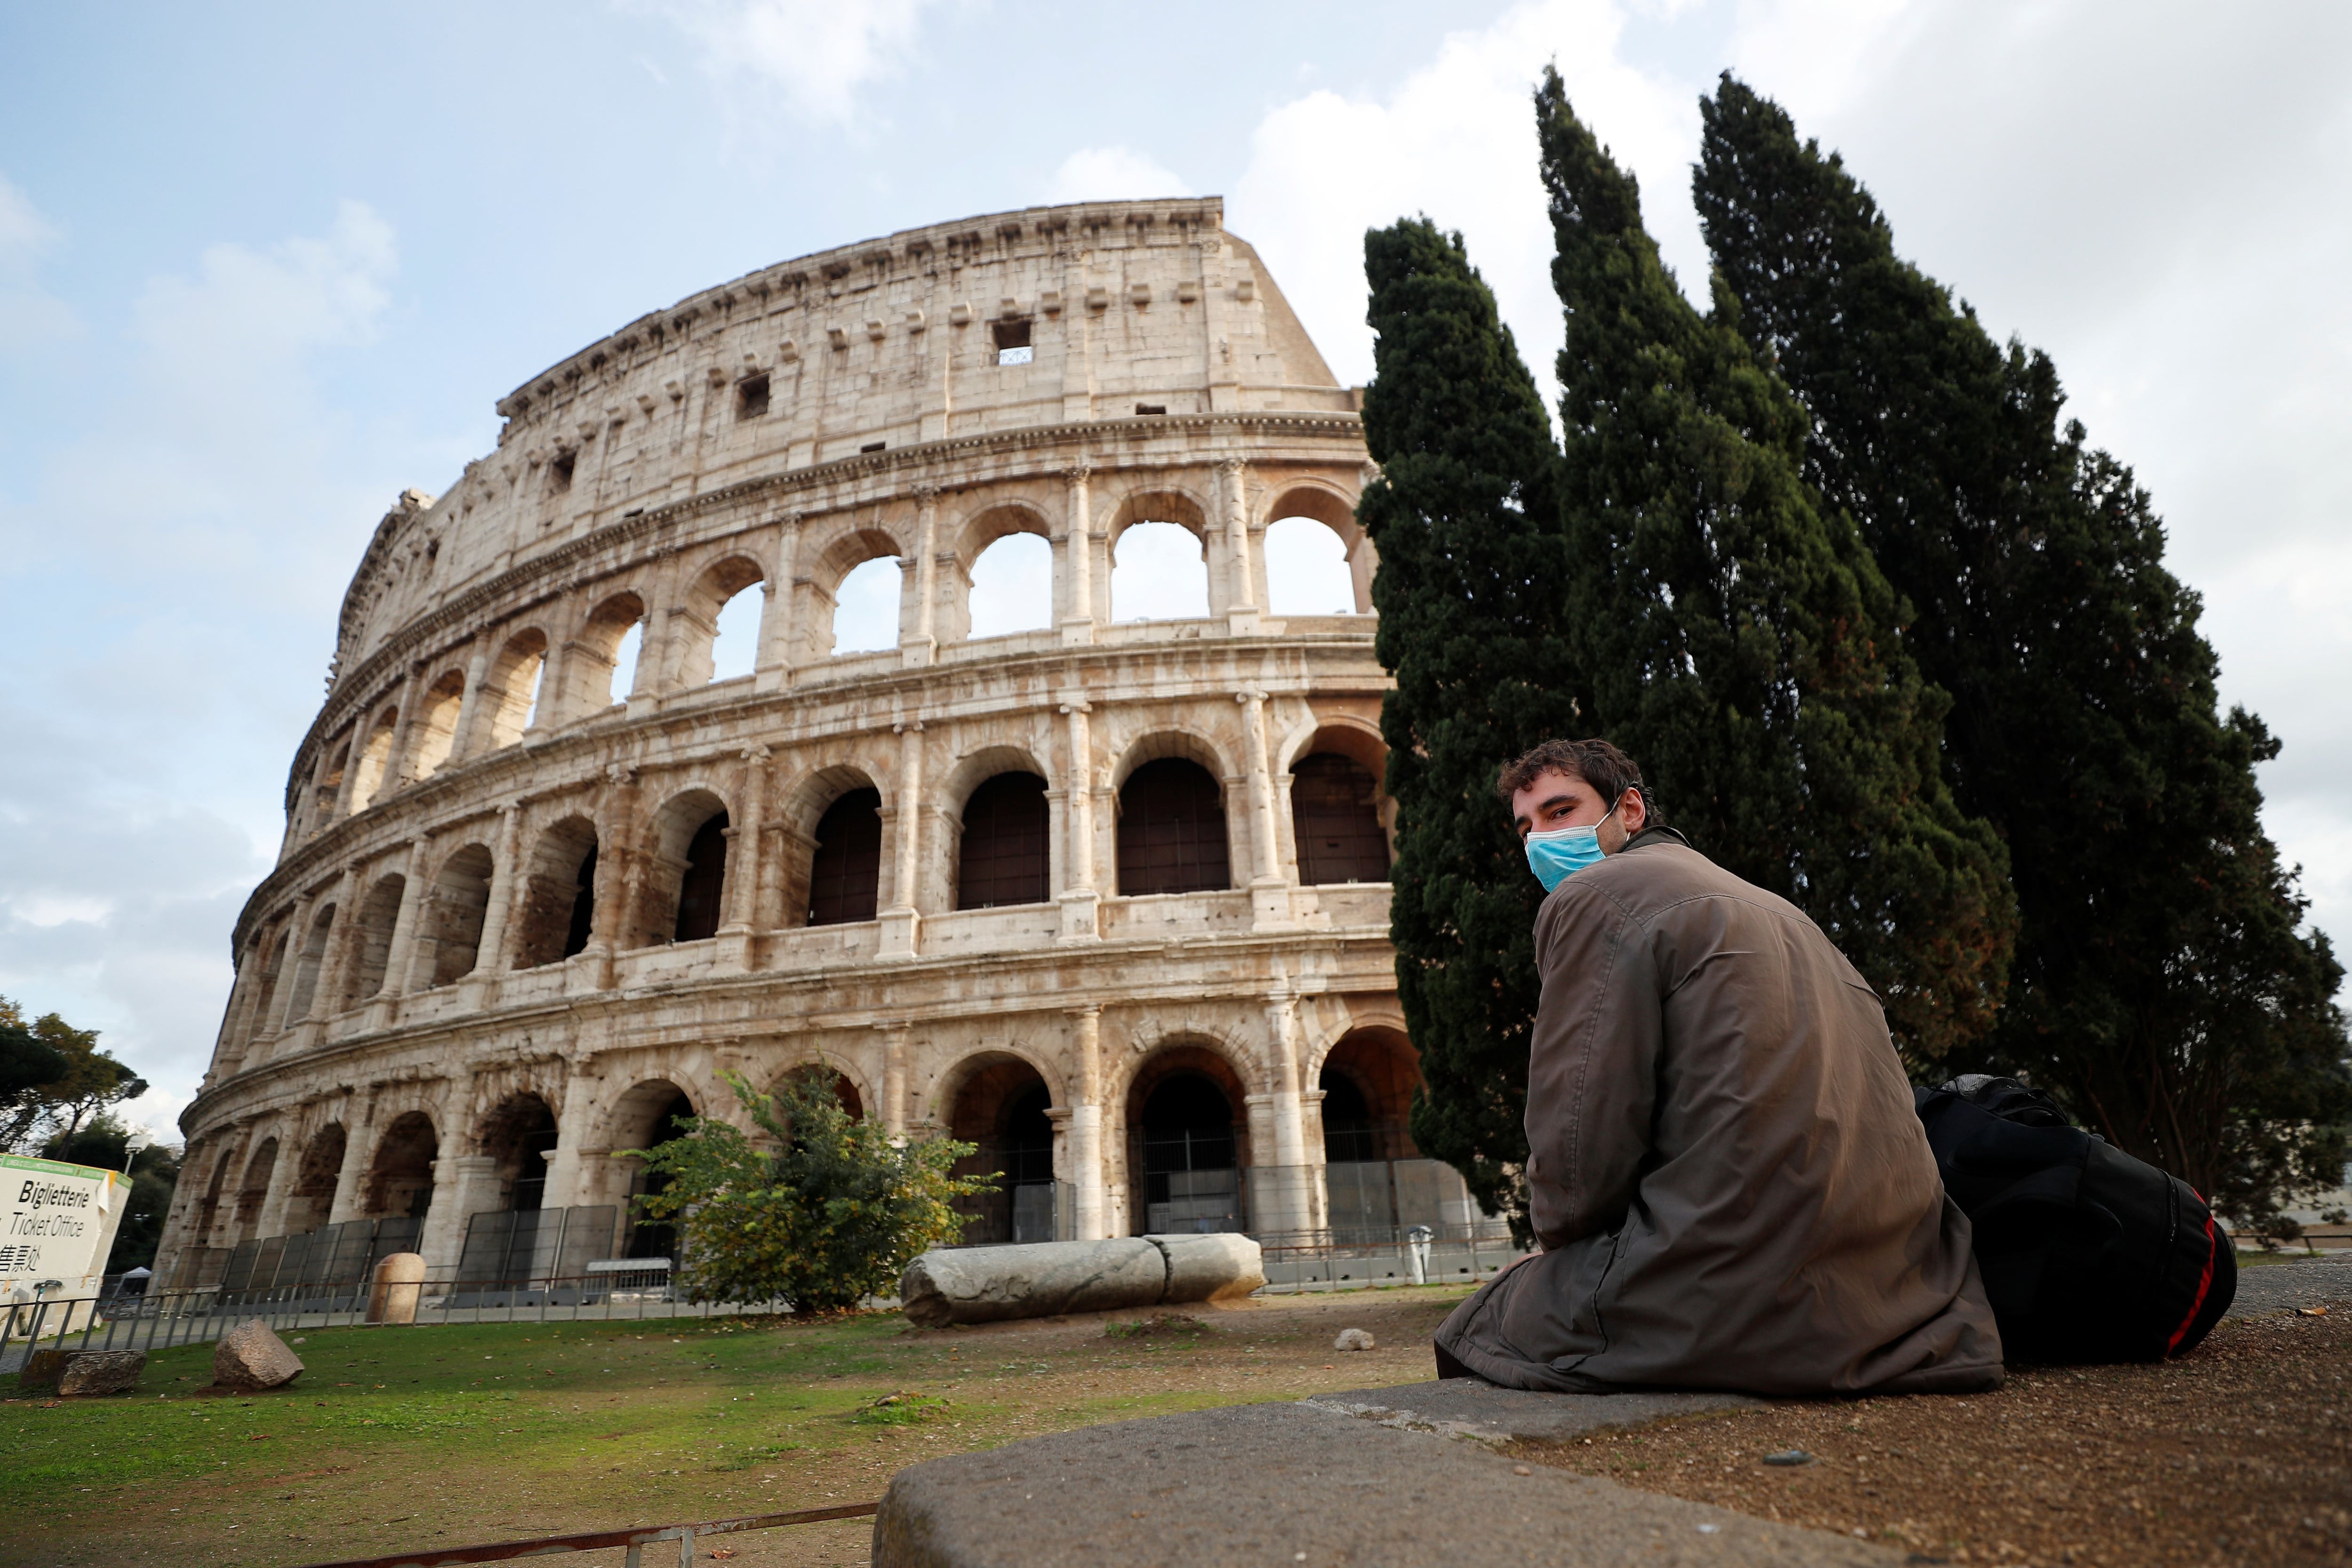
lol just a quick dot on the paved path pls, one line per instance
(1268, 1485)
(2305, 1282)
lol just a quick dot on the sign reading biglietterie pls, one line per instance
(59, 1223)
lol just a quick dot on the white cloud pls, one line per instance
(1457, 140)
(816, 53)
(29, 314)
(1113, 174)
(202, 517)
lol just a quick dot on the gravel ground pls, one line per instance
(2239, 1454)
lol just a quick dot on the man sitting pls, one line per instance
(1726, 1174)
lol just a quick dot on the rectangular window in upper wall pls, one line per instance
(1012, 342)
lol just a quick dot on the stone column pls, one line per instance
(921, 645)
(1085, 1125)
(271, 1218)
(343, 946)
(893, 1109)
(773, 670)
(351, 1182)
(1288, 1187)
(618, 857)
(1078, 559)
(1269, 891)
(1241, 602)
(745, 843)
(1080, 898)
(901, 937)
(463, 743)
(463, 1186)
(497, 908)
(567, 1176)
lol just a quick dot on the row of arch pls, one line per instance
(1183, 1117)
(565, 663)
(1173, 836)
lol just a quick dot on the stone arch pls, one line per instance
(309, 959)
(1002, 1101)
(510, 693)
(258, 1022)
(1359, 741)
(833, 561)
(374, 759)
(435, 732)
(1014, 825)
(208, 1215)
(980, 535)
(1180, 584)
(593, 653)
(519, 1135)
(400, 1176)
(253, 1189)
(327, 782)
(1336, 511)
(1173, 832)
(555, 915)
(845, 1087)
(450, 938)
(642, 1116)
(1186, 1116)
(312, 1199)
(833, 868)
(682, 895)
(1368, 1078)
(378, 915)
(714, 589)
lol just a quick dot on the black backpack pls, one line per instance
(2088, 1254)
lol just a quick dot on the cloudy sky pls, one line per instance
(262, 266)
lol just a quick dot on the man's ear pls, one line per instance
(1635, 813)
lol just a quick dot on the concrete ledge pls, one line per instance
(1466, 1407)
(1268, 1485)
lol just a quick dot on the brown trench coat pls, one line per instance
(1726, 1172)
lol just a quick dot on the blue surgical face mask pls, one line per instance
(1560, 853)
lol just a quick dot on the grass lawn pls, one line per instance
(400, 1438)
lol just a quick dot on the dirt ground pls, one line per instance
(2239, 1454)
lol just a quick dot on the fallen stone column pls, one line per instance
(1046, 1278)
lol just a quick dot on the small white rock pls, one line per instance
(1353, 1339)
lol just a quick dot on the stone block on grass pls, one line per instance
(89, 1373)
(251, 1358)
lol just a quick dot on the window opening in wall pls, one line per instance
(559, 472)
(865, 607)
(1348, 1132)
(1004, 854)
(583, 924)
(1172, 830)
(520, 1136)
(625, 663)
(751, 398)
(875, 446)
(1190, 1169)
(313, 1198)
(735, 650)
(1335, 819)
(437, 723)
(1306, 571)
(846, 870)
(1013, 345)
(1146, 410)
(453, 928)
(1159, 573)
(378, 913)
(702, 889)
(401, 1182)
(375, 757)
(1001, 1108)
(1012, 587)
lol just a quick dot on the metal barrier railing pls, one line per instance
(637, 1541)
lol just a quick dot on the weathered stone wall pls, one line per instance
(403, 981)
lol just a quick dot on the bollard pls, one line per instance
(1417, 1242)
(393, 1289)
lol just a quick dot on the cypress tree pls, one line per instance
(2161, 986)
(1738, 639)
(1470, 589)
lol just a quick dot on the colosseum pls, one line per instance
(1105, 896)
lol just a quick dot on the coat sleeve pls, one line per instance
(1592, 1069)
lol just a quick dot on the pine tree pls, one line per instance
(1470, 592)
(1739, 642)
(2160, 984)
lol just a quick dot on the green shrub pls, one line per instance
(831, 1215)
